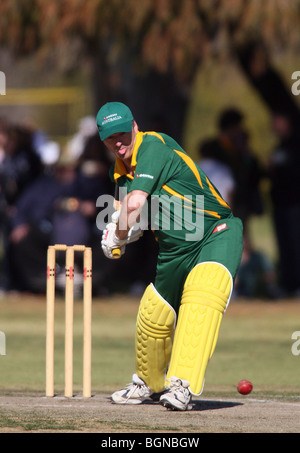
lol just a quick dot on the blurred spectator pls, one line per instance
(38, 137)
(20, 164)
(285, 195)
(86, 128)
(94, 162)
(4, 135)
(32, 226)
(53, 200)
(220, 175)
(256, 276)
(49, 153)
(19, 167)
(231, 148)
(59, 207)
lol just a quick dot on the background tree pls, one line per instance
(148, 52)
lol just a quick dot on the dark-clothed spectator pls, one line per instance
(256, 276)
(59, 207)
(19, 167)
(231, 148)
(285, 195)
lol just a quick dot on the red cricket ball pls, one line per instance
(244, 387)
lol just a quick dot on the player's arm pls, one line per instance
(132, 206)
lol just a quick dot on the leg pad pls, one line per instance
(154, 338)
(206, 294)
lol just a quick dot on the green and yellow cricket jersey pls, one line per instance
(185, 210)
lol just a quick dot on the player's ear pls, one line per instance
(135, 126)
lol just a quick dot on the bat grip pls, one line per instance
(116, 253)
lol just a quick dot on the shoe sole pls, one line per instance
(166, 403)
(130, 402)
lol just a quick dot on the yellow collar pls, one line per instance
(120, 169)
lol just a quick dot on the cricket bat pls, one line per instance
(116, 253)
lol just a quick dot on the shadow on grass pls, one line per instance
(202, 405)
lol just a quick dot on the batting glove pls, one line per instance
(110, 242)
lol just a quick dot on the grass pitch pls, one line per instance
(255, 343)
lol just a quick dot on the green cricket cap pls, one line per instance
(113, 117)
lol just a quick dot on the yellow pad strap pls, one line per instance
(205, 297)
(154, 337)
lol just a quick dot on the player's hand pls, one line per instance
(110, 242)
(114, 247)
(134, 235)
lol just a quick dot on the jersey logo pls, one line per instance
(143, 175)
(221, 227)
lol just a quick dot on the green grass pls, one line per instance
(23, 368)
(254, 343)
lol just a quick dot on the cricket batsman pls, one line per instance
(200, 247)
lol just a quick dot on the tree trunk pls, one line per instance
(159, 103)
(156, 100)
(265, 79)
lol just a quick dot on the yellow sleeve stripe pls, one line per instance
(120, 169)
(215, 194)
(176, 194)
(213, 213)
(138, 142)
(191, 165)
(156, 135)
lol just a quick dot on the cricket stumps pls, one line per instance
(69, 308)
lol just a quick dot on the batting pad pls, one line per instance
(154, 337)
(205, 296)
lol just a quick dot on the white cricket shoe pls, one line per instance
(134, 393)
(177, 396)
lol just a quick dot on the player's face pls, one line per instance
(121, 144)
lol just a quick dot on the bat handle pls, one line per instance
(116, 253)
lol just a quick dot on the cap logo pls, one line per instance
(110, 118)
